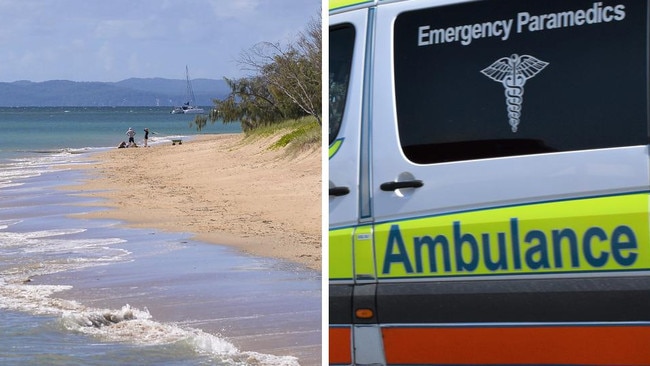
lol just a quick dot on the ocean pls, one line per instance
(77, 291)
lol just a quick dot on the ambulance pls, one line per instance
(489, 182)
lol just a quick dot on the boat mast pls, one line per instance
(190, 91)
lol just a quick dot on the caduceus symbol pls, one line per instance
(513, 72)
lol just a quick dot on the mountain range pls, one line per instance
(133, 92)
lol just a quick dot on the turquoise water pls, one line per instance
(92, 292)
(39, 129)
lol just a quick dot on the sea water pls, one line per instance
(91, 292)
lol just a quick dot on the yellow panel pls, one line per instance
(340, 254)
(364, 259)
(605, 234)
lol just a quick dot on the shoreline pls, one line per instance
(221, 188)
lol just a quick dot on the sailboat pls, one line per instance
(188, 107)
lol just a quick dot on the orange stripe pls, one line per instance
(340, 346)
(593, 345)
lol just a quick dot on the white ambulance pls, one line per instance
(489, 182)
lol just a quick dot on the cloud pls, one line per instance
(105, 57)
(234, 9)
(114, 40)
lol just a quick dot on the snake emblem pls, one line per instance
(513, 72)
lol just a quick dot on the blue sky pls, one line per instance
(112, 40)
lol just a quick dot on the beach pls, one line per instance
(106, 254)
(221, 188)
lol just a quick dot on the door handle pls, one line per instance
(393, 186)
(339, 191)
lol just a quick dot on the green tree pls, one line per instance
(199, 121)
(249, 102)
(286, 82)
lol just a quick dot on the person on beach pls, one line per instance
(146, 136)
(131, 135)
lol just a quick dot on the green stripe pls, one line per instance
(334, 147)
(336, 4)
(527, 204)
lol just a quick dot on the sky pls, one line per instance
(113, 40)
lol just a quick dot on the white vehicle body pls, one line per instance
(489, 182)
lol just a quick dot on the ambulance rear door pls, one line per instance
(347, 35)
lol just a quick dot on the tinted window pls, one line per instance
(509, 77)
(340, 62)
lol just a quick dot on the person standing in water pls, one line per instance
(131, 135)
(146, 136)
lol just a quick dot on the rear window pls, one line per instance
(340, 64)
(509, 77)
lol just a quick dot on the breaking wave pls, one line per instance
(128, 324)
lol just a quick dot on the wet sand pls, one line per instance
(219, 189)
(223, 189)
(258, 304)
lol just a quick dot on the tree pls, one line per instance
(249, 102)
(199, 121)
(286, 83)
(296, 71)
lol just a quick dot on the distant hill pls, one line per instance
(130, 92)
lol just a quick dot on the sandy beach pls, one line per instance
(223, 189)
